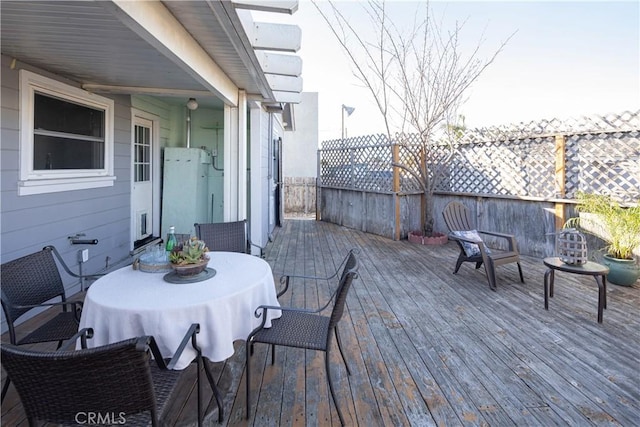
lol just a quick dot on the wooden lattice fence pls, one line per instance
(547, 159)
(531, 171)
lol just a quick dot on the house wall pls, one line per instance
(207, 131)
(264, 128)
(28, 223)
(300, 146)
(276, 203)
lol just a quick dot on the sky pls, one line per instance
(564, 59)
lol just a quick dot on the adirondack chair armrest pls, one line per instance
(511, 239)
(465, 239)
(484, 253)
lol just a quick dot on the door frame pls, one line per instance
(155, 173)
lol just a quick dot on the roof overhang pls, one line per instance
(175, 48)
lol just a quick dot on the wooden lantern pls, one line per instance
(571, 246)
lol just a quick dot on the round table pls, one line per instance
(598, 271)
(130, 303)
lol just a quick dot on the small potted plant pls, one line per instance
(190, 257)
(619, 227)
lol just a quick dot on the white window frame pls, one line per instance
(50, 181)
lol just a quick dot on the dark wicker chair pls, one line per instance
(308, 329)
(472, 248)
(224, 236)
(28, 283)
(117, 381)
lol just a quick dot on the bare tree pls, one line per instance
(418, 77)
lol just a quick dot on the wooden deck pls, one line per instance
(427, 347)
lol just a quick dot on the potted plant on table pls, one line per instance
(190, 257)
(619, 227)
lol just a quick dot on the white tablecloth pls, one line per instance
(130, 303)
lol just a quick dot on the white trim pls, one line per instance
(278, 37)
(277, 6)
(275, 63)
(27, 188)
(154, 23)
(282, 83)
(155, 169)
(39, 182)
(287, 97)
(242, 155)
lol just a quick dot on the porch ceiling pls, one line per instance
(87, 43)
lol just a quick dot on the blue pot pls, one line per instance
(623, 272)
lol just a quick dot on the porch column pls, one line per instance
(259, 206)
(242, 173)
(235, 160)
(230, 183)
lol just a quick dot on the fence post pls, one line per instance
(423, 196)
(560, 179)
(318, 184)
(395, 158)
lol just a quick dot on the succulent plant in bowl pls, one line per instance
(190, 257)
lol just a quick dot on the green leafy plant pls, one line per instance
(620, 226)
(192, 251)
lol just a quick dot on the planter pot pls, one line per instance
(434, 239)
(190, 269)
(623, 272)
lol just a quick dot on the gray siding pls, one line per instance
(28, 223)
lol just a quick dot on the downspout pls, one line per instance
(270, 173)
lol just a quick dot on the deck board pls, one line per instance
(427, 347)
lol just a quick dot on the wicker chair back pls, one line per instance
(30, 280)
(58, 387)
(348, 274)
(224, 236)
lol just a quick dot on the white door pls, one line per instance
(142, 191)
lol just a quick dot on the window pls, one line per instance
(66, 137)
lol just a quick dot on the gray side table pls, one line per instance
(598, 271)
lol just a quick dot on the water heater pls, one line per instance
(185, 192)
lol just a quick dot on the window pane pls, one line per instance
(56, 115)
(63, 153)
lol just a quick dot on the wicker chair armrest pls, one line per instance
(83, 334)
(261, 311)
(284, 279)
(77, 305)
(68, 270)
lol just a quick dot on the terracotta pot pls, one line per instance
(415, 237)
(434, 239)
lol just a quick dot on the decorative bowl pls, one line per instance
(191, 269)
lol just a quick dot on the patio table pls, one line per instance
(129, 303)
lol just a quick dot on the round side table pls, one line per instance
(598, 271)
